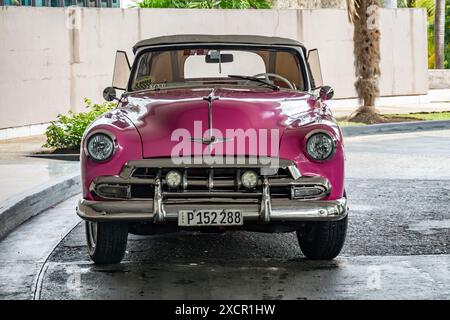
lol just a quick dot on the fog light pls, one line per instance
(249, 179)
(173, 179)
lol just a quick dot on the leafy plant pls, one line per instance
(205, 4)
(429, 5)
(160, 4)
(66, 132)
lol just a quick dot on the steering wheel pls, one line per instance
(267, 76)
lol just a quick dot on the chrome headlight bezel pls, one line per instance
(105, 134)
(308, 140)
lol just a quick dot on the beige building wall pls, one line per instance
(50, 61)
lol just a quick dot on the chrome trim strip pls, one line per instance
(281, 210)
(185, 181)
(211, 179)
(158, 210)
(118, 179)
(218, 194)
(266, 208)
(293, 170)
(238, 182)
(200, 162)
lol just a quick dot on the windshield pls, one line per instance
(206, 66)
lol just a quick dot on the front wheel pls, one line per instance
(107, 241)
(322, 240)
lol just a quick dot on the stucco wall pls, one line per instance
(47, 66)
(439, 78)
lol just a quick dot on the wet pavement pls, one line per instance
(20, 172)
(398, 244)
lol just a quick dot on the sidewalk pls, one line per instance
(31, 185)
(344, 111)
(435, 100)
(21, 173)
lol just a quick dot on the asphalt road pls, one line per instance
(398, 243)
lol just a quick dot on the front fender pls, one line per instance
(128, 147)
(292, 146)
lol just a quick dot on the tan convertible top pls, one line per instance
(225, 39)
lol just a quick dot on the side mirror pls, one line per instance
(314, 68)
(122, 71)
(109, 94)
(326, 93)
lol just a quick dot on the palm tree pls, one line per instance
(439, 29)
(366, 49)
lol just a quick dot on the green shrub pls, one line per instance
(66, 132)
(205, 4)
(429, 5)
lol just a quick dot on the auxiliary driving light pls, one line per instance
(173, 179)
(249, 179)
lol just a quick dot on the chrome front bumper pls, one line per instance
(272, 210)
(259, 205)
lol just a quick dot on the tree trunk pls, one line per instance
(439, 27)
(366, 38)
(390, 4)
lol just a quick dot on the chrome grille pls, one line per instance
(205, 179)
(145, 179)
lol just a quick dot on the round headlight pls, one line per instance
(100, 147)
(320, 146)
(173, 179)
(249, 179)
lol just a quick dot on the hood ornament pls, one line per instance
(211, 139)
(210, 98)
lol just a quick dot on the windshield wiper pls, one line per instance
(271, 85)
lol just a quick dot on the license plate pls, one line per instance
(212, 217)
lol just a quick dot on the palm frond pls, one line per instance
(352, 12)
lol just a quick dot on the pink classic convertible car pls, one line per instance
(215, 133)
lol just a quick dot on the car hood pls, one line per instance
(166, 118)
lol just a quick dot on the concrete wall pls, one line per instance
(439, 78)
(47, 64)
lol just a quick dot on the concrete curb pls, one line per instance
(21, 207)
(387, 128)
